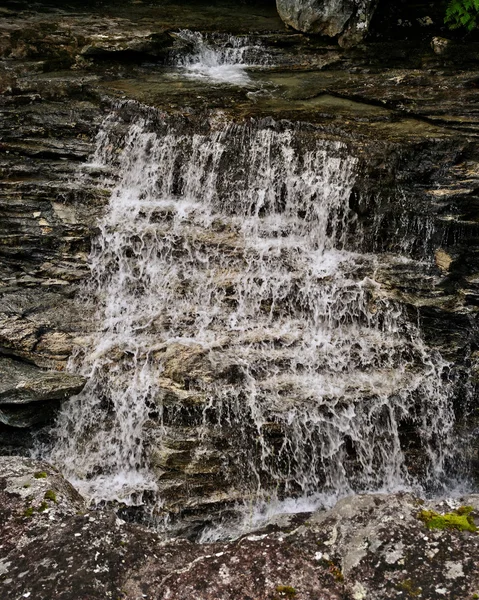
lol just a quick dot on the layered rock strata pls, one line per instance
(406, 111)
(22, 386)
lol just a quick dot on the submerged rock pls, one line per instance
(347, 18)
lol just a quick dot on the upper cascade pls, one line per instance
(229, 308)
(220, 57)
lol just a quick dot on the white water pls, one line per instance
(226, 250)
(220, 58)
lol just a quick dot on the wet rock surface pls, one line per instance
(407, 109)
(22, 386)
(369, 546)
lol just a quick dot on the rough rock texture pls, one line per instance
(33, 385)
(72, 39)
(22, 386)
(385, 551)
(348, 19)
(408, 111)
(366, 547)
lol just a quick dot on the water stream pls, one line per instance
(230, 308)
(219, 57)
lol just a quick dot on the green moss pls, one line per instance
(408, 586)
(26, 485)
(43, 506)
(28, 512)
(464, 510)
(40, 475)
(50, 495)
(460, 519)
(286, 591)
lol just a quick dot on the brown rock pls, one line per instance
(443, 259)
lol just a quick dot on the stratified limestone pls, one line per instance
(29, 395)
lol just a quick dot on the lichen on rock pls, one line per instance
(367, 546)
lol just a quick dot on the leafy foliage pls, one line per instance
(462, 13)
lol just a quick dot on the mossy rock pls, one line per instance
(410, 588)
(286, 591)
(50, 495)
(460, 519)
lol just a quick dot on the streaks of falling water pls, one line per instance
(222, 58)
(230, 246)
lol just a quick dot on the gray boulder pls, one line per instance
(348, 19)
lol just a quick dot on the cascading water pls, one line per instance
(225, 292)
(222, 58)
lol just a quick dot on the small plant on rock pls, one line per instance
(336, 572)
(50, 495)
(286, 591)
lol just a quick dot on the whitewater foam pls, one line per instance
(230, 245)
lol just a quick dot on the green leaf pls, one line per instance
(462, 13)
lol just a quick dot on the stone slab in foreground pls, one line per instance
(369, 547)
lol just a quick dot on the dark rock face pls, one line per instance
(348, 19)
(22, 386)
(72, 39)
(365, 547)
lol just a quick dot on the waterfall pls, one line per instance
(221, 58)
(226, 292)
